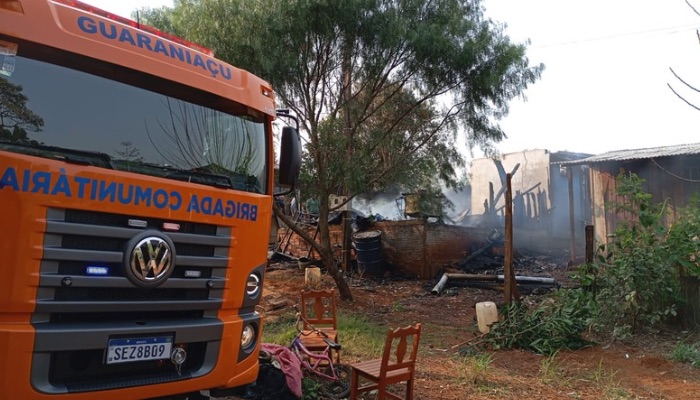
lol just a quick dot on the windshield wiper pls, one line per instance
(206, 178)
(73, 156)
(185, 175)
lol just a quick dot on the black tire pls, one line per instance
(339, 389)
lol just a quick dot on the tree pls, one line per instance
(382, 87)
(15, 114)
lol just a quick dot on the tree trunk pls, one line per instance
(324, 248)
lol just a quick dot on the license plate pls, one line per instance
(139, 349)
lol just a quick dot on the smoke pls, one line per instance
(461, 203)
(387, 204)
(390, 205)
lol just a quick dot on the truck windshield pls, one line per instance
(54, 112)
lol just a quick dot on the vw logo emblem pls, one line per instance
(149, 259)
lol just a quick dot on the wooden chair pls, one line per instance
(396, 365)
(318, 308)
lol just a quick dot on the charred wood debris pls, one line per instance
(484, 269)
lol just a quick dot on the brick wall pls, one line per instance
(298, 247)
(420, 249)
(403, 245)
(413, 247)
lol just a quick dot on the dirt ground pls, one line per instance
(636, 370)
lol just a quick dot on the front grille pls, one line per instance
(77, 311)
(143, 316)
(78, 239)
(129, 294)
(85, 217)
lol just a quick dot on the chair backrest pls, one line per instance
(318, 308)
(400, 349)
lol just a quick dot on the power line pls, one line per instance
(669, 30)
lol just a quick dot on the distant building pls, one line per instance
(540, 191)
(672, 175)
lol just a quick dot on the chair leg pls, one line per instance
(381, 391)
(354, 380)
(409, 389)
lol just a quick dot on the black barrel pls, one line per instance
(368, 248)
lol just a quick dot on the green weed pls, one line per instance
(686, 353)
(473, 369)
(550, 370)
(607, 382)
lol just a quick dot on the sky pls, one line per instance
(607, 71)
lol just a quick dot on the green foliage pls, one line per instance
(683, 241)
(635, 279)
(310, 389)
(686, 353)
(554, 324)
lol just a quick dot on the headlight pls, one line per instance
(248, 336)
(252, 286)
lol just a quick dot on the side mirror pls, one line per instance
(290, 157)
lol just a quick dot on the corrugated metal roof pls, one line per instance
(563, 156)
(639, 154)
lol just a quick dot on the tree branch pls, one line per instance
(682, 98)
(683, 82)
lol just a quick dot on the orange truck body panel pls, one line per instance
(26, 201)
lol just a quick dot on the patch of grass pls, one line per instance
(550, 370)
(602, 376)
(281, 332)
(481, 365)
(606, 380)
(462, 370)
(361, 338)
(472, 369)
(686, 353)
(397, 307)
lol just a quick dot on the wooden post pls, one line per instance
(572, 223)
(511, 287)
(346, 259)
(589, 244)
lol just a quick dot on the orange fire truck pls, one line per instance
(136, 179)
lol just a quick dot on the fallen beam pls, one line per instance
(487, 278)
(494, 237)
(447, 276)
